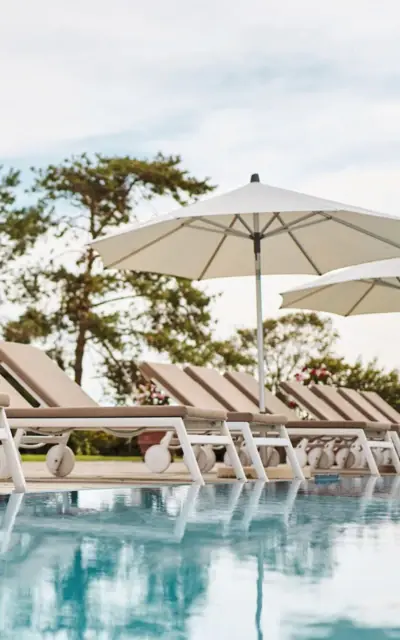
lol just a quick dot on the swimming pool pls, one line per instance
(279, 561)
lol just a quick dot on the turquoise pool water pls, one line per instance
(280, 561)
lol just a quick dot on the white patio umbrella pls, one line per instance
(364, 288)
(254, 230)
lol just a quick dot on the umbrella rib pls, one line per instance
(293, 227)
(313, 292)
(364, 295)
(244, 223)
(299, 246)
(355, 227)
(268, 224)
(149, 244)
(224, 229)
(216, 251)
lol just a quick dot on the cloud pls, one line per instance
(306, 93)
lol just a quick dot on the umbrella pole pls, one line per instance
(260, 329)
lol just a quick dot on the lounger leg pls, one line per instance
(395, 440)
(233, 454)
(12, 455)
(373, 467)
(291, 454)
(13, 506)
(253, 451)
(190, 458)
(393, 453)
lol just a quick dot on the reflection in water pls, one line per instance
(279, 561)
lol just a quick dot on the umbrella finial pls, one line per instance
(255, 177)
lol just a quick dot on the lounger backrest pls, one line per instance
(357, 400)
(331, 396)
(42, 377)
(248, 385)
(384, 407)
(17, 400)
(310, 402)
(179, 385)
(223, 390)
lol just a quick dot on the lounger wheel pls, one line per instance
(158, 458)
(243, 454)
(317, 458)
(330, 453)
(227, 460)
(5, 473)
(301, 453)
(345, 458)
(205, 457)
(378, 455)
(60, 460)
(272, 457)
(387, 457)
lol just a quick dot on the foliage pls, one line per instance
(360, 376)
(20, 226)
(71, 305)
(290, 341)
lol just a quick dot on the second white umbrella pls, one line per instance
(362, 289)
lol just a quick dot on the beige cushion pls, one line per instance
(179, 385)
(167, 411)
(362, 404)
(16, 399)
(4, 400)
(387, 410)
(256, 418)
(331, 396)
(249, 387)
(43, 376)
(309, 401)
(224, 391)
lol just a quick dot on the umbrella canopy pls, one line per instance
(299, 234)
(254, 230)
(364, 288)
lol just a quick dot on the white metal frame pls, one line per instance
(253, 441)
(11, 453)
(391, 441)
(187, 435)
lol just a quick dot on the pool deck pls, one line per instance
(106, 474)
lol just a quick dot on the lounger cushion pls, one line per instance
(309, 401)
(179, 385)
(362, 404)
(42, 376)
(167, 411)
(340, 404)
(4, 400)
(223, 390)
(256, 418)
(249, 386)
(383, 406)
(338, 424)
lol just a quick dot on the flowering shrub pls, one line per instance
(309, 376)
(148, 393)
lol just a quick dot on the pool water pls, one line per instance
(279, 561)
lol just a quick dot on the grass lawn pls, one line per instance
(41, 457)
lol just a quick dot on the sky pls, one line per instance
(306, 93)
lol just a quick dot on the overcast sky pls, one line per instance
(304, 92)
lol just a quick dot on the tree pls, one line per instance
(71, 306)
(20, 226)
(364, 377)
(290, 341)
